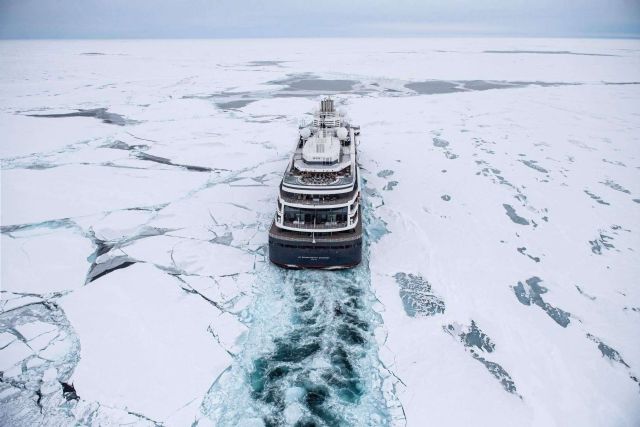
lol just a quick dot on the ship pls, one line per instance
(318, 220)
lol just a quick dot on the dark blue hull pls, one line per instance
(306, 254)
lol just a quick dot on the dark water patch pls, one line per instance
(234, 105)
(602, 242)
(445, 197)
(225, 97)
(487, 85)
(307, 82)
(51, 224)
(548, 52)
(533, 164)
(592, 298)
(322, 85)
(523, 251)
(498, 372)
(615, 162)
(40, 166)
(476, 342)
(530, 293)
(300, 94)
(294, 351)
(156, 159)
(596, 198)
(511, 213)
(330, 326)
(442, 143)
(622, 83)
(102, 269)
(616, 228)
(69, 391)
(196, 96)
(265, 63)
(315, 399)
(417, 296)
(98, 113)
(636, 200)
(607, 351)
(120, 145)
(433, 87)
(93, 53)
(495, 176)
(385, 173)
(196, 168)
(165, 161)
(389, 186)
(615, 186)
(475, 337)
(439, 142)
(350, 335)
(449, 155)
(482, 144)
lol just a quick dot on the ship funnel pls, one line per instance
(326, 105)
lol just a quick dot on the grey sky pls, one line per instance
(322, 18)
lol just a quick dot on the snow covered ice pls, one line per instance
(500, 277)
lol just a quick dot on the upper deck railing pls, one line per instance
(333, 199)
(298, 180)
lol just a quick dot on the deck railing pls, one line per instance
(324, 200)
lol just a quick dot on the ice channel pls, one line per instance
(310, 357)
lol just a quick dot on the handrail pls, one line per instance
(338, 226)
(348, 200)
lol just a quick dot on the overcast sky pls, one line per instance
(322, 18)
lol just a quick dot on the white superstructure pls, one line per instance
(320, 191)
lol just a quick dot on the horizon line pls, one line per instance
(630, 36)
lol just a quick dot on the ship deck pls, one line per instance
(296, 236)
(327, 199)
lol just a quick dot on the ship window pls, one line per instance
(317, 216)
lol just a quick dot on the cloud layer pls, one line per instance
(327, 18)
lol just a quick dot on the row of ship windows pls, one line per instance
(311, 216)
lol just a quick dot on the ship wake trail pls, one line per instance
(310, 357)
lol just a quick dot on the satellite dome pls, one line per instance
(342, 133)
(305, 133)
